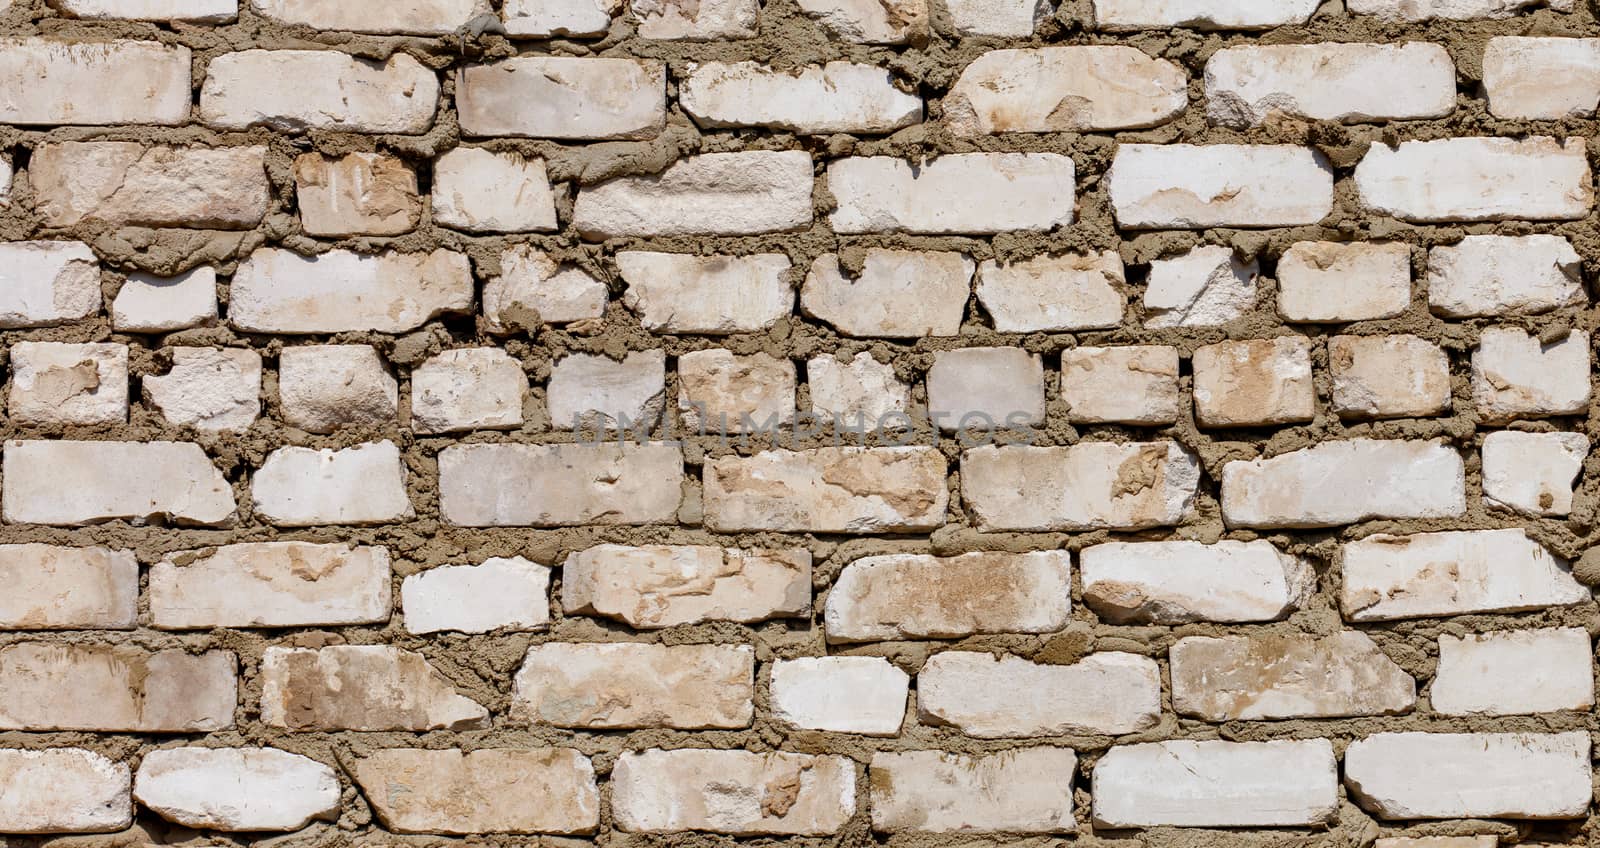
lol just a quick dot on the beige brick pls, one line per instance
(1251, 85)
(501, 594)
(1217, 784)
(1181, 582)
(481, 191)
(1054, 293)
(1450, 10)
(1477, 179)
(47, 283)
(63, 588)
(1344, 482)
(1136, 384)
(236, 789)
(870, 21)
(713, 194)
(712, 295)
(563, 97)
(149, 304)
(209, 389)
(279, 291)
(898, 294)
(1088, 486)
(1471, 775)
(839, 97)
(115, 688)
(1027, 790)
(1065, 89)
(133, 82)
(963, 193)
(1295, 676)
(1254, 383)
(999, 18)
(59, 383)
(705, 20)
(588, 391)
(533, 289)
(325, 387)
(124, 183)
(1334, 282)
(306, 487)
(420, 17)
(1206, 287)
(365, 687)
(510, 485)
(63, 790)
(1126, 15)
(734, 792)
(1541, 78)
(630, 685)
(656, 586)
(356, 194)
(1438, 842)
(193, 11)
(1388, 377)
(1514, 672)
(471, 389)
(915, 596)
(986, 388)
(865, 695)
(544, 18)
(858, 391)
(1186, 186)
(827, 490)
(1503, 275)
(77, 483)
(270, 584)
(416, 791)
(267, 88)
(1517, 375)
(1533, 473)
(720, 392)
(1009, 697)
(1453, 573)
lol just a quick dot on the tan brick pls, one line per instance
(1388, 377)
(59, 383)
(270, 584)
(914, 596)
(898, 294)
(713, 194)
(76, 483)
(63, 790)
(415, 791)
(559, 485)
(420, 17)
(279, 291)
(236, 789)
(1094, 485)
(356, 194)
(963, 193)
(115, 688)
(1180, 582)
(657, 586)
(47, 283)
(1027, 790)
(124, 183)
(1260, 382)
(1186, 186)
(704, 20)
(470, 389)
(827, 490)
(1065, 89)
(563, 97)
(481, 191)
(1344, 482)
(630, 685)
(839, 97)
(1477, 179)
(133, 82)
(267, 88)
(1273, 677)
(1517, 375)
(63, 588)
(1054, 293)
(304, 487)
(734, 792)
(366, 687)
(1009, 697)
(720, 392)
(1325, 281)
(1135, 384)
(322, 388)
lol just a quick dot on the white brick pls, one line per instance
(1454, 573)
(556, 485)
(133, 82)
(1065, 89)
(472, 389)
(916, 596)
(1504, 275)
(704, 20)
(544, 18)
(1186, 186)
(1009, 697)
(1182, 582)
(1054, 294)
(236, 789)
(209, 389)
(734, 792)
(1515, 672)
(856, 391)
(563, 97)
(1533, 473)
(1088, 486)
(630, 685)
(588, 391)
(999, 18)
(423, 791)
(1027, 790)
(532, 285)
(63, 588)
(1217, 784)
(481, 191)
(1254, 383)
(1388, 377)
(1125, 15)
(870, 21)
(865, 695)
(714, 295)
(963, 193)
(839, 97)
(59, 383)
(115, 688)
(63, 790)
(1344, 482)
(1471, 775)
(1450, 10)
(658, 586)
(419, 17)
(1324, 281)
(714, 194)
(899, 294)
(1516, 375)
(356, 194)
(267, 88)
(1477, 179)
(270, 584)
(986, 388)
(1134, 384)
(1274, 676)
(1541, 78)
(1206, 287)
(125, 183)
(501, 594)
(77, 483)
(827, 490)
(720, 392)
(1248, 86)
(279, 291)
(305, 487)
(1489, 841)
(322, 388)
(47, 283)
(361, 687)
(194, 11)
(147, 304)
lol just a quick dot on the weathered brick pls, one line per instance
(1217, 784)
(558, 485)
(1088, 486)
(1504, 275)
(236, 789)
(76, 483)
(60, 383)
(1515, 672)
(1136, 384)
(1181, 582)
(149, 304)
(1187, 186)
(1453, 573)
(712, 295)
(1248, 86)
(63, 790)
(858, 391)
(1009, 697)
(356, 194)
(704, 20)
(999, 18)
(279, 291)
(915, 596)
(361, 687)
(1206, 287)
(1065, 89)
(1054, 293)
(267, 88)
(416, 791)
(1126, 15)
(470, 389)
(839, 97)
(193, 11)
(733, 792)
(865, 695)
(628, 685)
(481, 191)
(533, 289)
(1517, 375)
(870, 21)
(962, 193)
(545, 18)
(1533, 473)
(1345, 482)
(419, 17)
(985, 388)
(305, 487)
(115, 688)
(720, 392)
(1388, 377)
(1489, 841)
(133, 82)
(62, 588)
(1269, 676)
(322, 388)
(898, 294)
(563, 97)
(1028, 790)
(657, 586)
(1334, 282)
(587, 391)
(47, 283)
(713, 194)
(1254, 383)
(1470, 775)
(1450, 10)
(270, 584)
(1477, 179)
(1541, 78)
(124, 183)
(501, 594)
(828, 490)
(209, 389)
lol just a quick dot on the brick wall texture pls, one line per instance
(915, 423)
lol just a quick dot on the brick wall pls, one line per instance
(840, 422)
